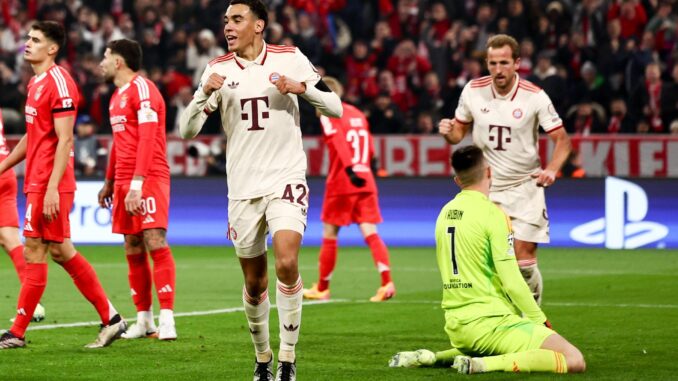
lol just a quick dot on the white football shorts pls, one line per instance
(525, 204)
(249, 221)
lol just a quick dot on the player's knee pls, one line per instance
(154, 239)
(575, 361)
(256, 286)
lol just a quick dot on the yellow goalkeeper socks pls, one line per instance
(537, 360)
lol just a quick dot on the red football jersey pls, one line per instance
(350, 144)
(52, 94)
(4, 150)
(137, 115)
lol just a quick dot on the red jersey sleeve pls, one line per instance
(148, 106)
(334, 136)
(65, 96)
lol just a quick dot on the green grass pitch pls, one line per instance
(619, 307)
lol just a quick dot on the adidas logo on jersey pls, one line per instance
(132, 292)
(165, 289)
(233, 85)
(148, 219)
(21, 311)
(28, 227)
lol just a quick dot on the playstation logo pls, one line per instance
(622, 227)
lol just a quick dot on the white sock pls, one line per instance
(145, 318)
(111, 310)
(532, 276)
(288, 299)
(166, 317)
(257, 311)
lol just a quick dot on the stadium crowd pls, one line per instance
(609, 66)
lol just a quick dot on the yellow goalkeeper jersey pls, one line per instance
(480, 276)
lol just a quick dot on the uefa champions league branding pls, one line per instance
(626, 206)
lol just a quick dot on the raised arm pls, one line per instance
(204, 102)
(453, 130)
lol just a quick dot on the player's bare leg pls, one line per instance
(257, 309)
(164, 276)
(140, 282)
(289, 295)
(86, 280)
(327, 260)
(381, 260)
(526, 254)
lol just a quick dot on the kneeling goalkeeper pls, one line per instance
(492, 320)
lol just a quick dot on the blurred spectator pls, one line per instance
(546, 76)
(631, 15)
(526, 58)
(86, 147)
(183, 97)
(408, 70)
(620, 120)
(589, 21)
(201, 52)
(361, 74)
(674, 127)
(585, 118)
(669, 98)
(425, 124)
(591, 86)
(646, 99)
(385, 117)
(663, 26)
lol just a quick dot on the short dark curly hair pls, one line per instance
(257, 7)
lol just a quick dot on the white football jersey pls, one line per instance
(506, 128)
(262, 126)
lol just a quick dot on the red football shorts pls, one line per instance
(35, 224)
(351, 208)
(9, 215)
(154, 208)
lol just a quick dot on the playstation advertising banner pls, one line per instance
(609, 212)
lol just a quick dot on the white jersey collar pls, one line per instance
(261, 58)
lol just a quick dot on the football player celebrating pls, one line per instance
(506, 112)
(255, 88)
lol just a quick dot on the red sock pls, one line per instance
(86, 281)
(140, 281)
(380, 257)
(35, 280)
(164, 275)
(17, 257)
(327, 259)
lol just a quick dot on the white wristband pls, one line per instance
(135, 185)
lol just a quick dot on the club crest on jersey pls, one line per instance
(123, 101)
(38, 92)
(274, 77)
(517, 113)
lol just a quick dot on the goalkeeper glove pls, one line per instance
(355, 179)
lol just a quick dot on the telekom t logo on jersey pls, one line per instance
(254, 111)
(502, 136)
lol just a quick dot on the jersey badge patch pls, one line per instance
(485, 110)
(38, 92)
(517, 113)
(274, 77)
(123, 101)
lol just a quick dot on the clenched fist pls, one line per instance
(214, 82)
(445, 126)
